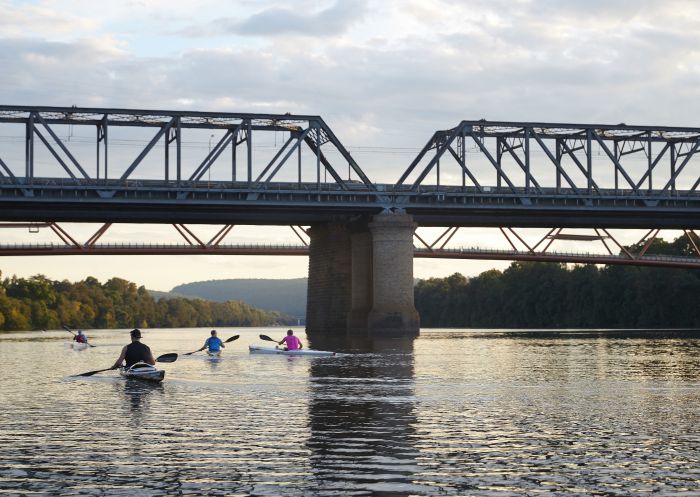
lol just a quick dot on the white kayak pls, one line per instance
(143, 371)
(76, 345)
(214, 356)
(256, 349)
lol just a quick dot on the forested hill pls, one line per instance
(37, 302)
(546, 295)
(287, 296)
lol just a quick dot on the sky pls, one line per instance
(383, 74)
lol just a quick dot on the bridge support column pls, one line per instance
(361, 295)
(328, 294)
(361, 279)
(393, 311)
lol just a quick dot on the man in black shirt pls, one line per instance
(135, 352)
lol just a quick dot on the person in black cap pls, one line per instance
(135, 352)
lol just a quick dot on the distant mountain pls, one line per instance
(156, 294)
(286, 296)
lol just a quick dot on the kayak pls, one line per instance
(256, 349)
(76, 345)
(143, 371)
(214, 356)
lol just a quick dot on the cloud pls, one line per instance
(38, 20)
(278, 21)
(486, 61)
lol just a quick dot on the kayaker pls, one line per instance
(214, 343)
(293, 343)
(80, 337)
(135, 352)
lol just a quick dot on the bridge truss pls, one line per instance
(518, 247)
(235, 131)
(478, 174)
(536, 158)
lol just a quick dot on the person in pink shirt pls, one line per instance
(293, 343)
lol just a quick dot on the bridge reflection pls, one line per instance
(362, 418)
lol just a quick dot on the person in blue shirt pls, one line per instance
(214, 344)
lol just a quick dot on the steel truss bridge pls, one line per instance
(478, 174)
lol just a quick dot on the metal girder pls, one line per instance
(494, 141)
(169, 129)
(520, 249)
(537, 183)
(37, 117)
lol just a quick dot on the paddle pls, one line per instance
(172, 357)
(71, 332)
(234, 337)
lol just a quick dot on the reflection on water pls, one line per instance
(136, 397)
(362, 418)
(454, 412)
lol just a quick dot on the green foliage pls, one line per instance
(38, 302)
(546, 295)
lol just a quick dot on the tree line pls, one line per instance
(40, 303)
(551, 295)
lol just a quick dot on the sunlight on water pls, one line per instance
(451, 413)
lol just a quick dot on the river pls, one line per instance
(454, 412)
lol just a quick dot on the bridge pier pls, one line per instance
(393, 311)
(329, 285)
(361, 295)
(361, 278)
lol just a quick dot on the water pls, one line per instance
(452, 413)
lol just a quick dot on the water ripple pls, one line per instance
(455, 413)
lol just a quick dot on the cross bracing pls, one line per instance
(578, 159)
(306, 139)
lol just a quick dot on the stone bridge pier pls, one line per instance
(361, 278)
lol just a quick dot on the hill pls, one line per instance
(285, 296)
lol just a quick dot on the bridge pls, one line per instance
(360, 236)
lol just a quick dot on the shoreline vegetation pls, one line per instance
(40, 303)
(554, 296)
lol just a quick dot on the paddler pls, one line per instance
(80, 337)
(293, 343)
(135, 352)
(214, 344)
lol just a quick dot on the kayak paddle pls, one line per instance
(71, 332)
(234, 337)
(172, 357)
(90, 373)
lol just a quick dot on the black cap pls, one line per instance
(135, 333)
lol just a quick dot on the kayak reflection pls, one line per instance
(137, 397)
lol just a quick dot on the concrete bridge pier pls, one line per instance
(329, 285)
(393, 310)
(361, 281)
(361, 278)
